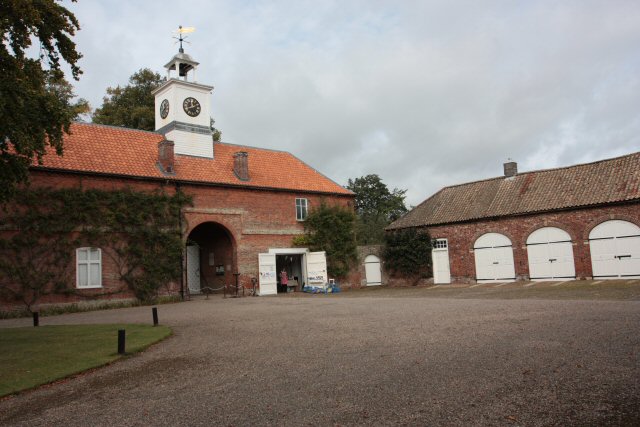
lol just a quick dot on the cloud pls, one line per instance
(425, 94)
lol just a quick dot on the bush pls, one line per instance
(331, 229)
(407, 252)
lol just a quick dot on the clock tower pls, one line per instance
(183, 108)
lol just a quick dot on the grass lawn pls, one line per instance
(35, 356)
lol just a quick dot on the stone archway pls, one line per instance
(210, 258)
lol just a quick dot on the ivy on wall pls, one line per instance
(41, 228)
(331, 229)
(407, 252)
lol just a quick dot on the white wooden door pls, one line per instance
(317, 269)
(268, 280)
(494, 258)
(615, 250)
(193, 269)
(550, 253)
(440, 258)
(372, 270)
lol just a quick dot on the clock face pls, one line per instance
(164, 109)
(191, 106)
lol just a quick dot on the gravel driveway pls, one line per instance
(336, 360)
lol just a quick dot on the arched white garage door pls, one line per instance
(550, 254)
(372, 270)
(494, 258)
(615, 250)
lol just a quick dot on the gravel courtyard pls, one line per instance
(359, 358)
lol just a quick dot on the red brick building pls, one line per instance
(581, 221)
(248, 203)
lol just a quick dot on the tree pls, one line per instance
(63, 90)
(376, 207)
(331, 229)
(133, 106)
(407, 252)
(33, 114)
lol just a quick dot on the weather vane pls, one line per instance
(180, 31)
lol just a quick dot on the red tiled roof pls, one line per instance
(597, 183)
(128, 152)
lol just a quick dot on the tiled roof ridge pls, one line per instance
(120, 151)
(253, 147)
(91, 124)
(536, 171)
(612, 180)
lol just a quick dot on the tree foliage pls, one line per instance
(331, 229)
(133, 106)
(376, 207)
(407, 252)
(138, 231)
(34, 114)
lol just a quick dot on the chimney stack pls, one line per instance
(241, 165)
(166, 156)
(510, 169)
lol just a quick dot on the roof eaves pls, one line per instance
(185, 181)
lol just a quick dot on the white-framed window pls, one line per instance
(440, 244)
(301, 209)
(88, 268)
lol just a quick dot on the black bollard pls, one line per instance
(121, 338)
(154, 311)
(36, 318)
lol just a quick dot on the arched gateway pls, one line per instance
(210, 257)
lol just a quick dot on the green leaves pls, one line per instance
(408, 252)
(131, 106)
(33, 113)
(331, 229)
(376, 207)
(140, 232)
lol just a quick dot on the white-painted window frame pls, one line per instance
(89, 263)
(440, 244)
(302, 208)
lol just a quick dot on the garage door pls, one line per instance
(550, 254)
(615, 250)
(494, 258)
(372, 270)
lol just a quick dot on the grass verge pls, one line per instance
(57, 309)
(34, 356)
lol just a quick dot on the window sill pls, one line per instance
(88, 287)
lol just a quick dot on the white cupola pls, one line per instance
(183, 110)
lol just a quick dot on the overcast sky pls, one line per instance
(423, 93)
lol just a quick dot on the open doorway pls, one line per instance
(291, 267)
(210, 258)
(306, 268)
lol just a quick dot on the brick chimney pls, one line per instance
(510, 169)
(166, 157)
(241, 165)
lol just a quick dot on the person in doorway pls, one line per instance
(284, 280)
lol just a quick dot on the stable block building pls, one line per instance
(577, 222)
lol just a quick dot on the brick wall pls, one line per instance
(254, 221)
(578, 223)
(357, 278)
